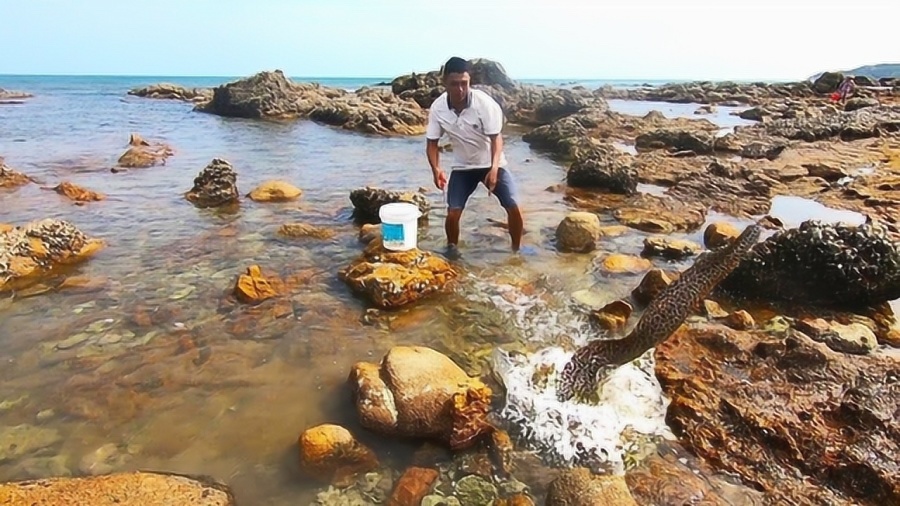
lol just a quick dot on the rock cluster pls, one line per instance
(170, 91)
(367, 201)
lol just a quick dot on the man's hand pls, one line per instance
(440, 179)
(491, 179)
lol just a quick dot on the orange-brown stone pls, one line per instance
(413, 485)
(77, 193)
(253, 287)
(618, 263)
(330, 453)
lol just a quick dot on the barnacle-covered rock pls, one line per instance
(367, 201)
(608, 170)
(215, 186)
(392, 279)
(827, 264)
(35, 249)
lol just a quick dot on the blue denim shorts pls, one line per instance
(463, 183)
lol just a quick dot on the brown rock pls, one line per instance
(740, 320)
(77, 193)
(652, 283)
(892, 338)
(719, 234)
(618, 263)
(670, 248)
(275, 191)
(514, 500)
(578, 232)
(122, 489)
(420, 393)
(614, 315)
(10, 178)
(368, 232)
(661, 215)
(298, 230)
(6, 227)
(578, 487)
(713, 309)
(413, 485)
(141, 153)
(253, 287)
(330, 453)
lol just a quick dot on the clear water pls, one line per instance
(159, 363)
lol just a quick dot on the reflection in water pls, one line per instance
(792, 211)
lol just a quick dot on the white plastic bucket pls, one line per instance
(399, 225)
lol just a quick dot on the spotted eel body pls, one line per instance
(593, 362)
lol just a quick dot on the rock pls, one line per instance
(859, 124)
(299, 230)
(413, 486)
(141, 154)
(719, 234)
(141, 488)
(854, 338)
(728, 189)
(274, 191)
(40, 467)
(373, 111)
(103, 460)
(23, 440)
(10, 178)
(713, 310)
(368, 232)
(77, 193)
(367, 201)
(804, 424)
(833, 265)
(253, 287)
(475, 491)
(174, 92)
(857, 103)
(827, 82)
(439, 500)
(618, 263)
(13, 96)
(824, 171)
(660, 215)
(515, 500)
(652, 283)
(393, 279)
(215, 186)
(740, 320)
(697, 141)
(673, 249)
(30, 252)
(578, 232)
(578, 487)
(331, 454)
(417, 392)
(603, 170)
(613, 316)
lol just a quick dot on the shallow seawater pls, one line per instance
(793, 210)
(724, 116)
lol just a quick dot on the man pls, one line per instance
(473, 121)
(846, 88)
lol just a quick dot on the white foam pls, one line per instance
(572, 433)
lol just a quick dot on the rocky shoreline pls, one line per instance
(782, 386)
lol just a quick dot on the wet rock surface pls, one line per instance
(76, 193)
(275, 191)
(34, 250)
(123, 489)
(12, 96)
(10, 178)
(837, 265)
(215, 186)
(142, 154)
(367, 201)
(171, 91)
(791, 417)
(578, 487)
(330, 453)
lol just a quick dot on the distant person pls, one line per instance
(846, 88)
(473, 121)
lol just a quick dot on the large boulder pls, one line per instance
(331, 454)
(827, 82)
(578, 232)
(35, 250)
(367, 201)
(142, 488)
(372, 111)
(790, 417)
(819, 263)
(267, 95)
(417, 392)
(215, 186)
(392, 279)
(604, 169)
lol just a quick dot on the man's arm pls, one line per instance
(434, 159)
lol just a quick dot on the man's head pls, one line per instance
(457, 78)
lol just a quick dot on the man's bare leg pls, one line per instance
(516, 226)
(451, 226)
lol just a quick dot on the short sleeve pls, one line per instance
(433, 131)
(492, 117)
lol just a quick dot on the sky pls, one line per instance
(593, 39)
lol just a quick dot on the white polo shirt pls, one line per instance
(468, 130)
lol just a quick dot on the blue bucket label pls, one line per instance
(391, 232)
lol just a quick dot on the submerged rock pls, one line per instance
(790, 417)
(274, 191)
(141, 488)
(31, 251)
(142, 154)
(827, 264)
(23, 440)
(578, 487)
(330, 453)
(77, 193)
(367, 201)
(392, 279)
(215, 186)
(10, 178)
(417, 392)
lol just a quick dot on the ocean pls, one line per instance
(151, 367)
